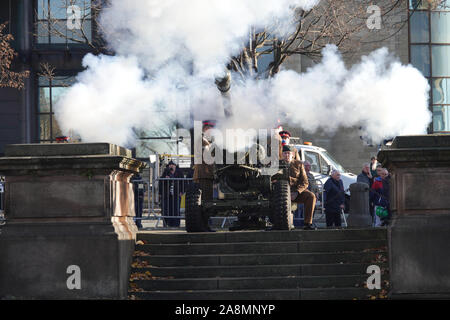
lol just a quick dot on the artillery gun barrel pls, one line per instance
(224, 85)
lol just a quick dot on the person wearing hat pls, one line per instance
(203, 173)
(298, 182)
(138, 199)
(62, 139)
(170, 192)
(285, 140)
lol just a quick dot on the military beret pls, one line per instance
(288, 148)
(210, 123)
(285, 133)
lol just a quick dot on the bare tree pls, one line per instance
(339, 22)
(160, 137)
(47, 71)
(8, 77)
(73, 21)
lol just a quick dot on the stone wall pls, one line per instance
(419, 235)
(67, 205)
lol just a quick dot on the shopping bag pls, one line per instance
(381, 212)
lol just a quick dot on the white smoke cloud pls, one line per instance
(206, 33)
(380, 94)
(168, 53)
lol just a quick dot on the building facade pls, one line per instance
(27, 116)
(429, 51)
(419, 35)
(43, 35)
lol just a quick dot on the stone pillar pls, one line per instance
(359, 206)
(67, 205)
(419, 235)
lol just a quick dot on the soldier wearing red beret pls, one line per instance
(285, 140)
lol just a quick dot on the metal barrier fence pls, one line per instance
(169, 196)
(319, 210)
(163, 200)
(2, 203)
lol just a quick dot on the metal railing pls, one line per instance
(2, 203)
(164, 198)
(168, 197)
(319, 209)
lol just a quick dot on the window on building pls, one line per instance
(429, 37)
(50, 90)
(63, 21)
(420, 27)
(265, 59)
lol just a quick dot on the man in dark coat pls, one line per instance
(298, 182)
(334, 199)
(365, 176)
(138, 199)
(170, 191)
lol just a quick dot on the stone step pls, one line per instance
(274, 282)
(263, 247)
(262, 294)
(259, 270)
(262, 236)
(260, 259)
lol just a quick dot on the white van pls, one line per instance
(322, 163)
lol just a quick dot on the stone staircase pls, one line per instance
(262, 265)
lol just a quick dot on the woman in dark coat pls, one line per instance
(334, 199)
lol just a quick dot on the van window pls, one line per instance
(313, 158)
(323, 166)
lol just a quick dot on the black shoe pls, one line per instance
(309, 227)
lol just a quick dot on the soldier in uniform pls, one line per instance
(203, 173)
(285, 140)
(298, 181)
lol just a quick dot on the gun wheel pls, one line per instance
(282, 218)
(195, 221)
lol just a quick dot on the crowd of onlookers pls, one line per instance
(373, 174)
(378, 178)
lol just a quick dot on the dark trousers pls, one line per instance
(206, 185)
(138, 207)
(333, 217)
(170, 206)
